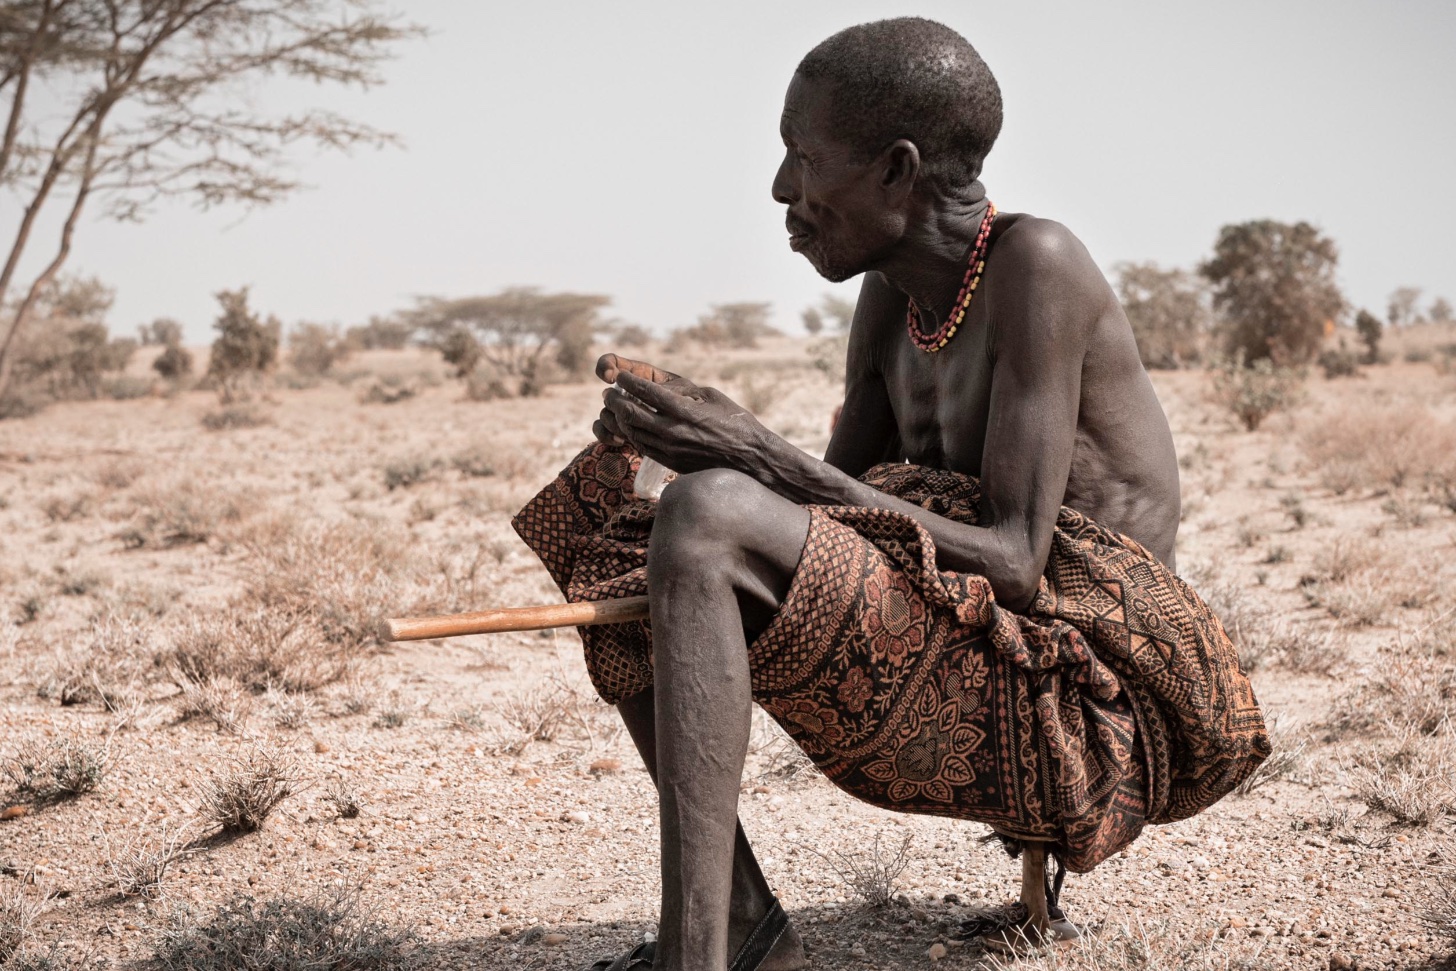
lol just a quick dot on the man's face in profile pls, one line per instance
(836, 214)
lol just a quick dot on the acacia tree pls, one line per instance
(520, 333)
(1401, 310)
(1168, 311)
(1274, 288)
(133, 101)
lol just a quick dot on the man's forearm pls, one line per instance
(998, 554)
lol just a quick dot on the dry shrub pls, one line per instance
(1136, 946)
(105, 666)
(258, 647)
(1352, 579)
(870, 873)
(242, 796)
(235, 416)
(1254, 392)
(292, 709)
(1411, 687)
(554, 711)
(344, 798)
(56, 769)
(781, 757)
(139, 863)
(330, 930)
(343, 577)
(64, 507)
(180, 513)
(1414, 785)
(1440, 914)
(17, 915)
(401, 473)
(220, 700)
(1392, 446)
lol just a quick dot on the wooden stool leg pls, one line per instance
(1033, 890)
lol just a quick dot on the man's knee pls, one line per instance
(705, 514)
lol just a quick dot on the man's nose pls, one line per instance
(784, 190)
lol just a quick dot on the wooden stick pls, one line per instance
(616, 611)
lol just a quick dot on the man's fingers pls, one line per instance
(605, 435)
(609, 366)
(654, 395)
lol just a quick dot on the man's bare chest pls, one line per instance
(941, 403)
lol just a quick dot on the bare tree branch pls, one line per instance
(153, 87)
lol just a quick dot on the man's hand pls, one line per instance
(672, 420)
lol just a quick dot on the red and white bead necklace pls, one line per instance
(930, 343)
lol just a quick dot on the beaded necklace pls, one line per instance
(930, 343)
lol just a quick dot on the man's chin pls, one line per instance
(831, 270)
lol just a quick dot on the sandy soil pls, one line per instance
(504, 851)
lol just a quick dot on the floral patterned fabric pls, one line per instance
(1116, 700)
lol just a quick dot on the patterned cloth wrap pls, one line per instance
(1117, 699)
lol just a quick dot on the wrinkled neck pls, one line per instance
(930, 264)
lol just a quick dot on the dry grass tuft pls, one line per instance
(259, 647)
(1390, 447)
(1136, 946)
(343, 577)
(1414, 785)
(139, 864)
(17, 915)
(180, 513)
(220, 700)
(329, 930)
(65, 507)
(1440, 914)
(245, 793)
(1409, 689)
(556, 711)
(871, 873)
(344, 798)
(235, 416)
(57, 769)
(107, 666)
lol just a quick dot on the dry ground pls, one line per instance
(178, 602)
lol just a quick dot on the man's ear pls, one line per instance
(900, 167)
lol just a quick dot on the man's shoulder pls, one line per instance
(1040, 244)
(1043, 274)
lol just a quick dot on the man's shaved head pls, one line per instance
(915, 79)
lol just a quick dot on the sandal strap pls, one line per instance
(639, 957)
(762, 939)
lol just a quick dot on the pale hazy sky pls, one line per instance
(627, 148)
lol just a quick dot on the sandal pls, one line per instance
(760, 942)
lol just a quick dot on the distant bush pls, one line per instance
(235, 416)
(730, 324)
(67, 350)
(1274, 288)
(632, 335)
(1256, 391)
(387, 390)
(381, 333)
(1339, 362)
(523, 338)
(163, 330)
(1368, 326)
(1168, 311)
(174, 363)
(246, 347)
(314, 349)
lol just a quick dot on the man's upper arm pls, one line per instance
(866, 428)
(1044, 312)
